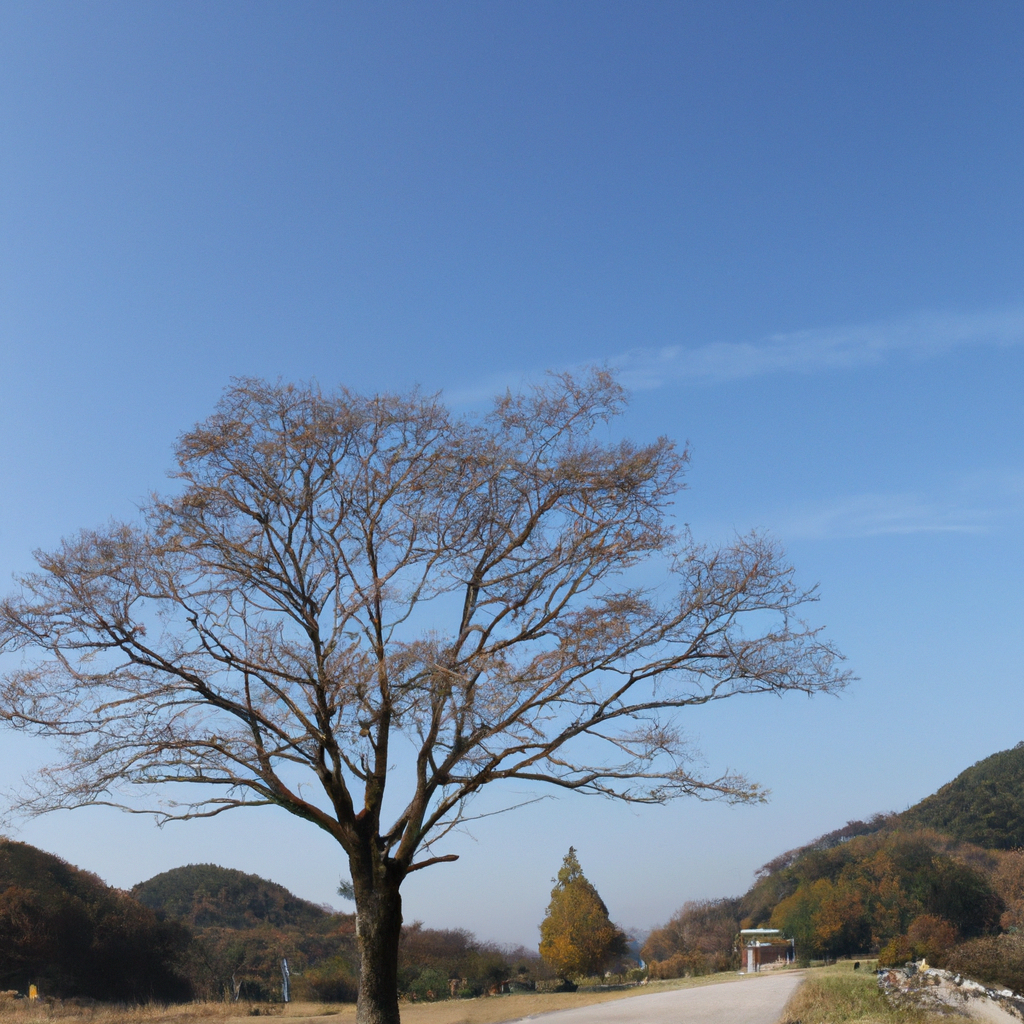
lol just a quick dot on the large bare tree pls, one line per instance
(338, 579)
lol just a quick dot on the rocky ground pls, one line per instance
(932, 988)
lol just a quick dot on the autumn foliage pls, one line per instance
(699, 939)
(864, 893)
(577, 937)
(903, 894)
(65, 931)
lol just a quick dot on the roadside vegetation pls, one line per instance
(840, 995)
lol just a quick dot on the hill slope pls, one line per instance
(206, 895)
(950, 870)
(65, 931)
(245, 925)
(983, 805)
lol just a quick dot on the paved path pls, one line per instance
(757, 1000)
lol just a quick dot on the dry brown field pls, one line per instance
(486, 1010)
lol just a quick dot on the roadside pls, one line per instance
(482, 1010)
(840, 995)
(508, 1008)
(759, 999)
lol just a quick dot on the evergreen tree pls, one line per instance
(577, 938)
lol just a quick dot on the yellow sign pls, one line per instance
(33, 992)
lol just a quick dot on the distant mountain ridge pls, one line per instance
(983, 805)
(209, 896)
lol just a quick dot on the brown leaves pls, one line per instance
(577, 937)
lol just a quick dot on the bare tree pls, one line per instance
(336, 571)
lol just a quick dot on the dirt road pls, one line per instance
(757, 1000)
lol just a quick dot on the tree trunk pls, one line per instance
(378, 927)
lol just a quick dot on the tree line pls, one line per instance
(213, 933)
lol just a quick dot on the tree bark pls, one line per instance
(379, 928)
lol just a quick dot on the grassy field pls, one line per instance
(490, 1010)
(840, 995)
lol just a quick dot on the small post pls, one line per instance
(285, 975)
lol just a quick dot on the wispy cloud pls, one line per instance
(977, 504)
(923, 335)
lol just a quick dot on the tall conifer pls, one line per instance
(577, 937)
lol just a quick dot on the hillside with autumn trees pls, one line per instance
(208, 932)
(944, 880)
(65, 931)
(242, 927)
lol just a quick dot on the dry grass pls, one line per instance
(491, 1010)
(839, 995)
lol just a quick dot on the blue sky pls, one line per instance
(794, 228)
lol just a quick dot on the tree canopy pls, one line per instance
(982, 805)
(337, 578)
(577, 938)
(700, 938)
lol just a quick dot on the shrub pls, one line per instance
(689, 965)
(992, 959)
(931, 937)
(430, 985)
(331, 981)
(896, 952)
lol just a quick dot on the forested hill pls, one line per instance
(65, 931)
(983, 805)
(207, 932)
(49, 879)
(205, 896)
(938, 880)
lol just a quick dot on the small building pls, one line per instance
(761, 947)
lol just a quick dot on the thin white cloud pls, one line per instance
(875, 515)
(978, 504)
(481, 394)
(924, 335)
